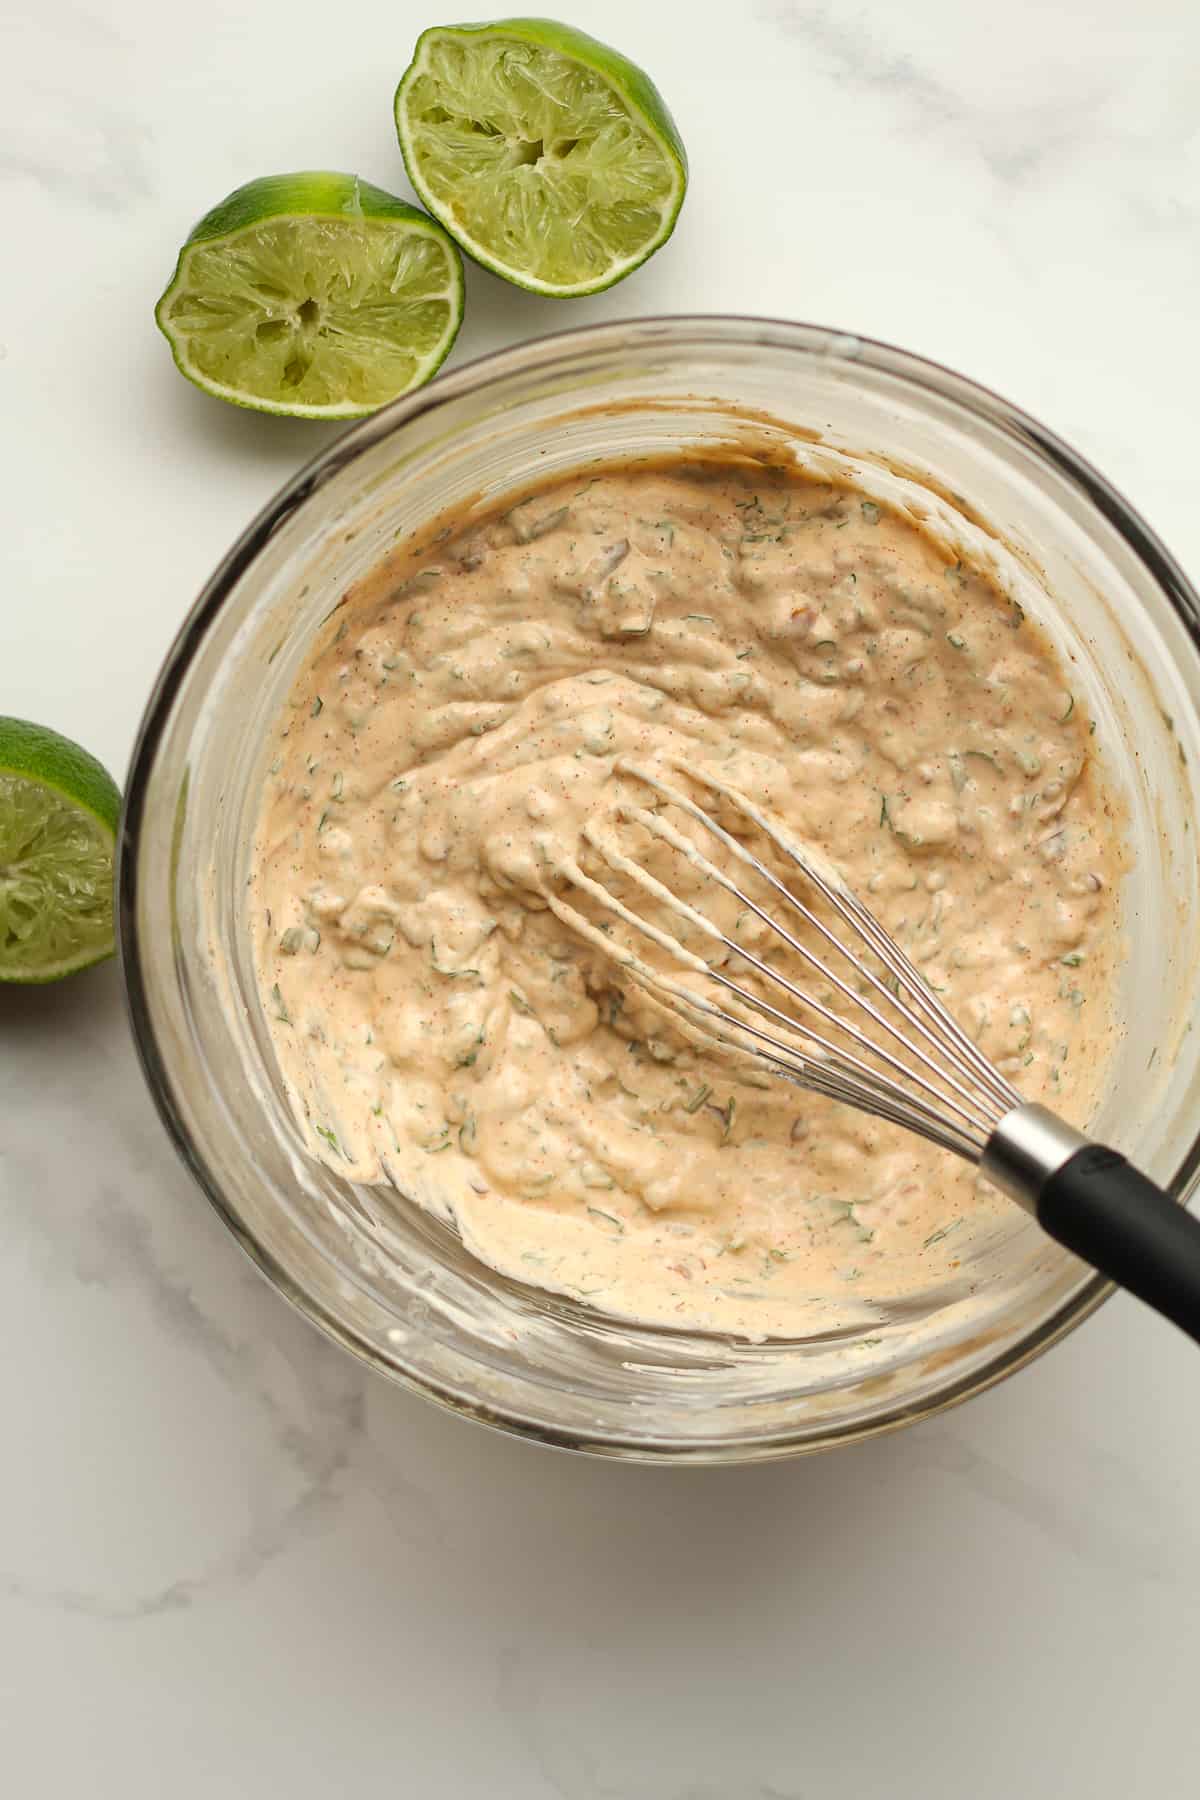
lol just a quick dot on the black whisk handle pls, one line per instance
(1110, 1214)
(1089, 1199)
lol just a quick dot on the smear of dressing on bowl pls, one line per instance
(459, 722)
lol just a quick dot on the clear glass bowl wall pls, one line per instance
(372, 1269)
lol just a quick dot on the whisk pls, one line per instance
(885, 1043)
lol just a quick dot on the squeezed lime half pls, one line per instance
(315, 294)
(58, 823)
(550, 158)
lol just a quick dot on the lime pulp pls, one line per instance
(549, 157)
(316, 295)
(58, 819)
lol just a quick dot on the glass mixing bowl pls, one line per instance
(372, 1269)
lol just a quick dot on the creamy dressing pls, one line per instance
(456, 729)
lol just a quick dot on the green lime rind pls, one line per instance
(314, 295)
(325, 193)
(58, 820)
(610, 160)
(47, 757)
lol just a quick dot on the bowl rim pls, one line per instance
(536, 353)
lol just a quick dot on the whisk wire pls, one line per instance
(1002, 1094)
(940, 1026)
(952, 1096)
(625, 865)
(848, 1080)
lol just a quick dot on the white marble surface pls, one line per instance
(231, 1562)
